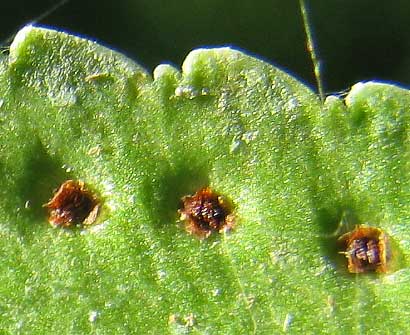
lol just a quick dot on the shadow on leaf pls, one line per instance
(42, 175)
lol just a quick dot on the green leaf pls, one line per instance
(294, 169)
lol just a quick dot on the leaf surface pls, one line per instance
(297, 171)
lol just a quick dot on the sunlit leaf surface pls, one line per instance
(298, 172)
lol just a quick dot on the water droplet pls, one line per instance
(249, 136)
(205, 91)
(67, 168)
(186, 92)
(235, 146)
(20, 324)
(161, 274)
(132, 198)
(287, 322)
(178, 91)
(92, 316)
(216, 292)
(64, 97)
(292, 104)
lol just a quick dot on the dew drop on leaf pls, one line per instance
(235, 146)
(65, 97)
(93, 315)
(186, 92)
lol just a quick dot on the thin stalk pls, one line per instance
(312, 49)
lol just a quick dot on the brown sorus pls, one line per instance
(72, 205)
(367, 249)
(206, 212)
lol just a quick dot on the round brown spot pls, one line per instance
(206, 212)
(367, 249)
(72, 205)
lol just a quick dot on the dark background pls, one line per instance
(356, 39)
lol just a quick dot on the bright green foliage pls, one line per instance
(293, 167)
